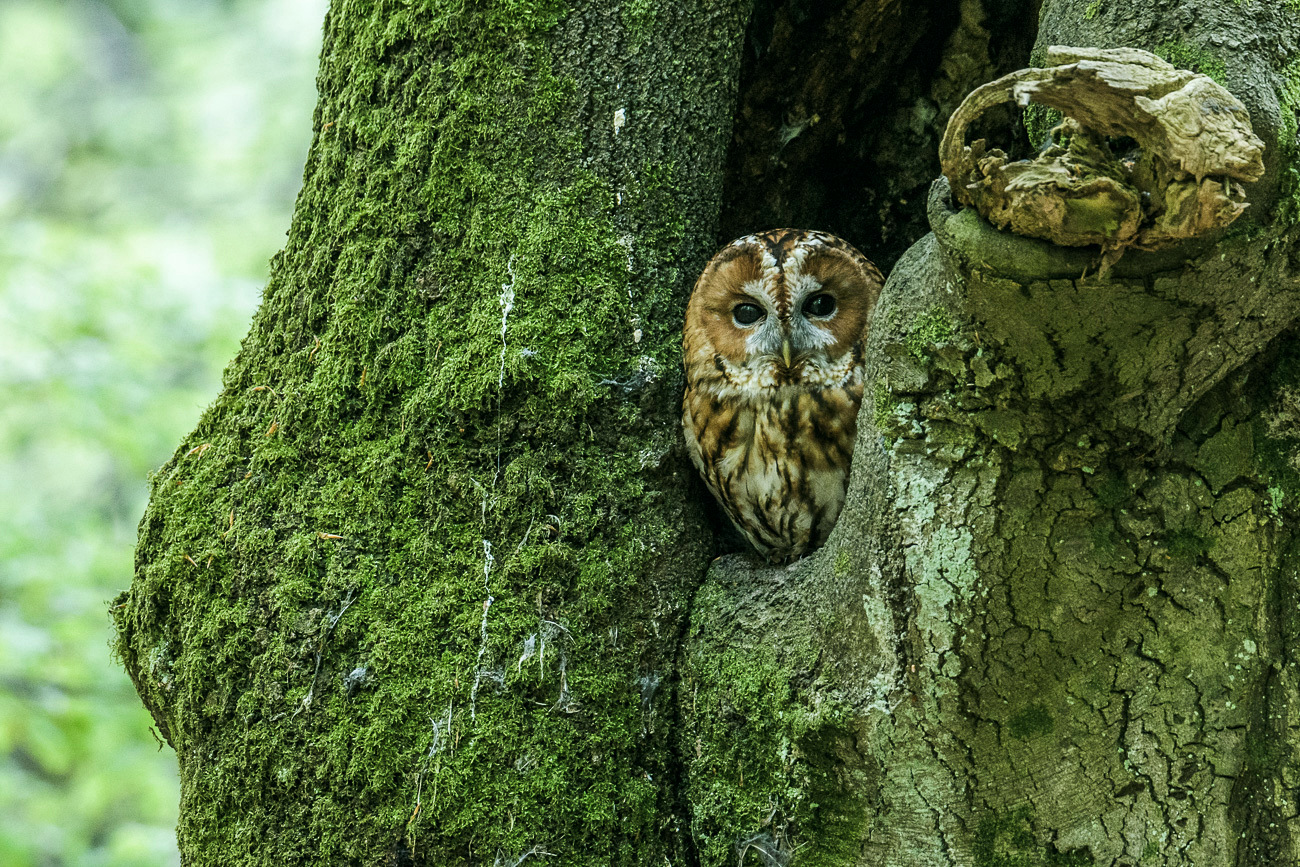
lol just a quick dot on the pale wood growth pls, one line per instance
(1194, 148)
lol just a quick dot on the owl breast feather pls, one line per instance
(778, 464)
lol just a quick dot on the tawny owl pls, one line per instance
(773, 353)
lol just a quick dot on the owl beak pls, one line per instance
(785, 351)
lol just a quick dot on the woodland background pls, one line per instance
(150, 153)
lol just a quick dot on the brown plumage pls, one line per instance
(773, 353)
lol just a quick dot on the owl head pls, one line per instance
(785, 308)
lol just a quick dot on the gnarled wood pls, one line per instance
(1194, 147)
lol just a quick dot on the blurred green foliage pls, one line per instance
(150, 151)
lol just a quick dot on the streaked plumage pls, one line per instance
(774, 382)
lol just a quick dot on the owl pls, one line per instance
(773, 352)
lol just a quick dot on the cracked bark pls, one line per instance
(1056, 622)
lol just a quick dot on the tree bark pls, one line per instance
(411, 591)
(427, 584)
(1056, 623)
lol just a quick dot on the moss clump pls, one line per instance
(1007, 840)
(1113, 491)
(1185, 56)
(1277, 457)
(768, 760)
(1288, 208)
(764, 766)
(1276, 445)
(1039, 121)
(927, 330)
(1031, 721)
(882, 406)
(1105, 539)
(1187, 544)
(417, 468)
(637, 18)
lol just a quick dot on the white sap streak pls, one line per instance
(488, 561)
(507, 302)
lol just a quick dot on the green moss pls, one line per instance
(1092, 10)
(1275, 456)
(1276, 451)
(882, 406)
(1201, 60)
(1265, 751)
(1031, 721)
(417, 467)
(1113, 491)
(766, 766)
(927, 330)
(1006, 839)
(1103, 215)
(637, 17)
(1288, 208)
(1226, 456)
(1105, 539)
(1187, 544)
(1276, 499)
(1039, 121)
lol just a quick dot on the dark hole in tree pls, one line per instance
(841, 109)
(842, 106)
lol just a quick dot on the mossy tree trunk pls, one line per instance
(427, 584)
(411, 590)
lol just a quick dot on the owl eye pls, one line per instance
(819, 305)
(747, 314)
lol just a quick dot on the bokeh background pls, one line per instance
(150, 153)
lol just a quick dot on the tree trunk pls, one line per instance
(427, 583)
(1056, 623)
(412, 589)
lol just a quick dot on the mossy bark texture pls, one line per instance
(411, 590)
(1057, 623)
(424, 585)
